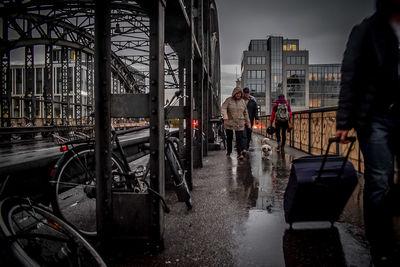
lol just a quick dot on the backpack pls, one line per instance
(282, 113)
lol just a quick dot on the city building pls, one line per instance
(276, 66)
(324, 81)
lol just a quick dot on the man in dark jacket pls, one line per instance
(253, 114)
(369, 103)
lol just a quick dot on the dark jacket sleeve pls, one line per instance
(345, 116)
(255, 109)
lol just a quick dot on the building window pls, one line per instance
(56, 55)
(18, 82)
(289, 47)
(295, 80)
(39, 80)
(255, 60)
(70, 80)
(58, 86)
(296, 60)
(256, 74)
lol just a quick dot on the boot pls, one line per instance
(279, 146)
(282, 148)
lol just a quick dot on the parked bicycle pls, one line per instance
(74, 182)
(218, 131)
(31, 235)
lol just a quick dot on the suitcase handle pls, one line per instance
(352, 139)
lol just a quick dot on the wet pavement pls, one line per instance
(238, 220)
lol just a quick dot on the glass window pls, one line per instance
(39, 81)
(57, 107)
(18, 81)
(70, 79)
(58, 87)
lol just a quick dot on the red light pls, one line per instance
(52, 173)
(195, 123)
(63, 148)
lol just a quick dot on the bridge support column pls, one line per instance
(102, 80)
(157, 173)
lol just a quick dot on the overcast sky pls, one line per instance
(322, 27)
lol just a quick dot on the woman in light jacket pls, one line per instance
(234, 111)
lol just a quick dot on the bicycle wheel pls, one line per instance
(38, 238)
(178, 173)
(221, 133)
(74, 187)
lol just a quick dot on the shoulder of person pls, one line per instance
(366, 25)
(252, 98)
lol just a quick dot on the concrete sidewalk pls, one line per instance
(238, 220)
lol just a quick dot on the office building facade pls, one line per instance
(324, 81)
(276, 66)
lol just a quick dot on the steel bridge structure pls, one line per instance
(126, 56)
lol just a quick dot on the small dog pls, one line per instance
(266, 149)
(264, 141)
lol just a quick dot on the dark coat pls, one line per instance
(252, 109)
(369, 81)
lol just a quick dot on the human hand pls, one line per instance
(342, 134)
(225, 117)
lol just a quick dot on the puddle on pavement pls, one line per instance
(264, 239)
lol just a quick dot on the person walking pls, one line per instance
(369, 102)
(281, 115)
(234, 112)
(252, 110)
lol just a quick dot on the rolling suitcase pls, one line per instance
(319, 187)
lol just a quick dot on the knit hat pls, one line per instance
(246, 90)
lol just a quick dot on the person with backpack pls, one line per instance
(282, 114)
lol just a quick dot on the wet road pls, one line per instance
(238, 220)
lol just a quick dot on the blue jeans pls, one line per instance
(379, 145)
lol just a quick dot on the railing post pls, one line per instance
(322, 132)
(309, 132)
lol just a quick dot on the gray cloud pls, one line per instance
(321, 26)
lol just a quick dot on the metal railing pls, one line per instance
(311, 131)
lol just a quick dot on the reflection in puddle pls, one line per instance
(261, 241)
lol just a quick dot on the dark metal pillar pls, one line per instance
(29, 81)
(206, 114)
(157, 174)
(90, 86)
(48, 84)
(181, 77)
(78, 87)
(64, 86)
(5, 81)
(198, 96)
(189, 55)
(103, 150)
